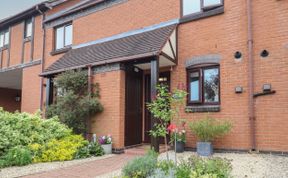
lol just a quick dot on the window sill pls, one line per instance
(193, 17)
(203, 108)
(60, 51)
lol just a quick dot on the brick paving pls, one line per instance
(89, 169)
(94, 168)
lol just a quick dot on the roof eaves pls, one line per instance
(115, 60)
(22, 15)
(66, 11)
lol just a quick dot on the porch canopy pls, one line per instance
(155, 41)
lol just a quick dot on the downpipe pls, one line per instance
(251, 75)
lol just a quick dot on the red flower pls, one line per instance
(172, 127)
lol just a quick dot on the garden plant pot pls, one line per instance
(180, 147)
(107, 148)
(204, 148)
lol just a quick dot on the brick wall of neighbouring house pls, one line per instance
(31, 89)
(112, 96)
(270, 33)
(224, 35)
(7, 99)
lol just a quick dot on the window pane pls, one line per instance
(6, 38)
(211, 2)
(1, 40)
(28, 28)
(191, 6)
(194, 86)
(68, 35)
(211, 85)
(59, 38)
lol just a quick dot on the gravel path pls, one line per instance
(12, 172)
(248, 165)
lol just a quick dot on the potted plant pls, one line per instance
(177, 137)
(106, 143)
(206, 130)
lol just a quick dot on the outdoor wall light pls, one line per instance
(238, 89)
(238, 55)
(267, 87)
(264, 53)
(17, 98)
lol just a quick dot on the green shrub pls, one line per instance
(141, 167)
(17, 156)
(92, 149)
(208, 129)
(165, 166)
(211, 167)
(95, 149)
(83, 153)
(22, 129)
(58, 150)
(74, 104)
(183, 170)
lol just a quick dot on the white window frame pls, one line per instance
(202, 7)
(64, 36)
(5, 36)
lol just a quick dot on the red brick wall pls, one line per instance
(222, 34)
(112, 93)
(270, 33)
(31, 89)
(7, 99)
(225, 34)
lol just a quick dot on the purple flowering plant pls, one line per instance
(106, 139)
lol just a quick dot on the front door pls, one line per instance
(164, 78)
(133, 108)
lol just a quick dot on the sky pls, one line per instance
(11, 7)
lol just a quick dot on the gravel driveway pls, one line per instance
(248, 165)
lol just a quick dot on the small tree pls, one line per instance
(74, 103)
(165, 108)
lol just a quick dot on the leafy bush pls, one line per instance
(74, 104)
(93, 149)
(141, 167)
(211, 167)
(22, 129)
(194, 167)
(58, 150)
(208, 128)
(17, 156)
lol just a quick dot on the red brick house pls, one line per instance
(231, 55)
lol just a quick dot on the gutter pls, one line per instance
(251, 75)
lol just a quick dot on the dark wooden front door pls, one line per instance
(133, 109)
(164, 78)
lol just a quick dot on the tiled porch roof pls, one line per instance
(135, 46)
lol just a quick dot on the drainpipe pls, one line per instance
(88, 125)
(251, 75)
(43, 57)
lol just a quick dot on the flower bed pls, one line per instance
(194, 167)
(27, 138)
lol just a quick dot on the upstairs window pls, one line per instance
(63, 36)
(203, 85)
(4, 38)
(197, 6)
(28, 28)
